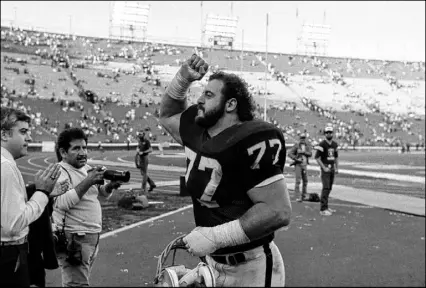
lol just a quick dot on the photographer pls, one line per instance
(77, 213)
(300, 154)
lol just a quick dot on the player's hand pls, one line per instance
(326, 169)
(194, 68)
(46, 180)
(336, 171)
(200, 242)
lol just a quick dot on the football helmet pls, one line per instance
(178, 275)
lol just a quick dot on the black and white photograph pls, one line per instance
(213, 144)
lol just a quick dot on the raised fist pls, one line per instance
(194, 68)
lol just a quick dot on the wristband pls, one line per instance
(230, 234)
(178, 87)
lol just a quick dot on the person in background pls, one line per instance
(144, 149)
(300, 154)
(17, 211)
(327, 158)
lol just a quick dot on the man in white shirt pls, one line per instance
(77, 212)
(17, 211)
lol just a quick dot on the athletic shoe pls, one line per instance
(152, 188)
(299, 200)
(331, 210)
(325, 213)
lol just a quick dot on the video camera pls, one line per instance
(114, 175)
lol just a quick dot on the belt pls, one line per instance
(16, 242)
(233, 259)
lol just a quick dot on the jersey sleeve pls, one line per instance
(187, 127)
(262, 157)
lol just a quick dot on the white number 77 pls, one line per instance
(262, 147)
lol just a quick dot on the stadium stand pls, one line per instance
(112, 89)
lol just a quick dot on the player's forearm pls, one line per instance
(336, 164)
(170, 107)
(83, 187)
(261, 220)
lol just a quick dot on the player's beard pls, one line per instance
(329, 137)
(211, 117)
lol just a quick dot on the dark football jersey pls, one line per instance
(144, 145)
(221, 170)
(327, 152)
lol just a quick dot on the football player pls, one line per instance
(234, 175)
(327, 158)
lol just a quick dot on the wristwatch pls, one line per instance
(44, 192)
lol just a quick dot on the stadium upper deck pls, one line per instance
(316, 87)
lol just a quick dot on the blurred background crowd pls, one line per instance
(112, 89)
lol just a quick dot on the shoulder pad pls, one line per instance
(237, 133)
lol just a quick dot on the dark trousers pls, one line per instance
(14, 270)
(144, 172)
(301, 176)
(327, 179)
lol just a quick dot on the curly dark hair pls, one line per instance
(9, 117)
(66, 137)
(236, 87)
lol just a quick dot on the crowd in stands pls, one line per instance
(96, 112)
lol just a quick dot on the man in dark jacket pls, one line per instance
(300, 154)
(41, 248)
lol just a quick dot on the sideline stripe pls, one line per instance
(110, 233)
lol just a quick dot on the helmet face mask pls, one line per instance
(178, 275)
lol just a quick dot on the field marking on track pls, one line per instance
(157, 183)
(28, 168)
(36, 158)
(131, 165)
(336, 204)
(156, 190)
(111, 233)
(171, 156)
(389, 176)
(124, 161)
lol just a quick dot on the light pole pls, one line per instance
(242, 52)
(70, 24)
(15, 19)
(266, 67)
(201, 24)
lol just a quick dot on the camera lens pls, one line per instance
(113, 175)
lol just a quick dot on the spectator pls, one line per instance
(143, 150)
(77, 213)
(300, 154)
(17, 211)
